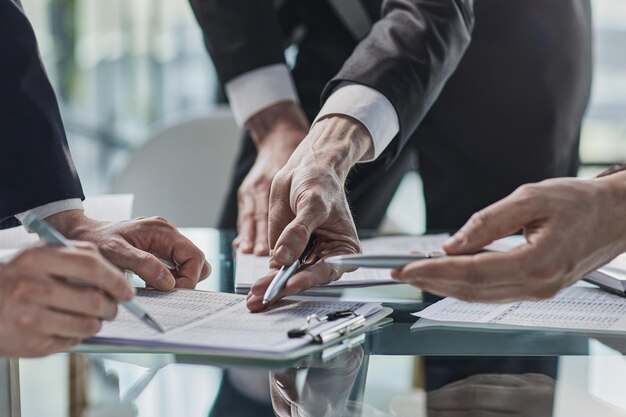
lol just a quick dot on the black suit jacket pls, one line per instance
(35, 164)
(412, 49)
(532, 57)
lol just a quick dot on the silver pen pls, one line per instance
(286, 272)
(52, 236)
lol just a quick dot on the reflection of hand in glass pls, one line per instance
(494, 395)
(324, 391)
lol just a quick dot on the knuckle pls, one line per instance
(159, 219)
(28, 321)
(528, 192)
(26, 291)
(479, 219)
(89, 327)
(96, 301)
(301, 231)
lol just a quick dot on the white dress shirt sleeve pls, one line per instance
(369, 107)
(52, 208)
(255, 90)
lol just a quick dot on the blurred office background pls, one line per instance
(124, 68)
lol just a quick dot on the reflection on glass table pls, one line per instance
(394, 372)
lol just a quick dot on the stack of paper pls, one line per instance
(574, 308)
(249, 268)
(220, 321)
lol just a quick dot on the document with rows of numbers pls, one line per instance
(574, 308)
(249, 268)
(219, 321)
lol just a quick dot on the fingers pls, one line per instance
(496, 221)
(37, 321)
(76, 300)
(261, 203)
(311, 276)
(280, 213)
(245, 222)
(84, 265)
(156, 236)
(486, 277)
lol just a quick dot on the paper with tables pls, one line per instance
(574, 308)
(220, 321)
(249, 268)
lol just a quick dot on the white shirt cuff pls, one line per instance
(52, 208)
(369, 107)
(255, 90)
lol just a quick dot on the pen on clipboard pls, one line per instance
(286, 272)
(52, 236)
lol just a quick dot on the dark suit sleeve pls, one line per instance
(408, 56)
(240, 35)
(35, 163)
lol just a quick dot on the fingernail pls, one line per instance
(284, 255)
(165, 281)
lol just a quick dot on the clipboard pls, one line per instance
(339, 332)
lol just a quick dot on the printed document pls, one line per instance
(574, 308)
(219, 321)
(249, 268)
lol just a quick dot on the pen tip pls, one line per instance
(153, 323)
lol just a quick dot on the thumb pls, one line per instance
(499, 220)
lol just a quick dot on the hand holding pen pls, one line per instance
(49, 234)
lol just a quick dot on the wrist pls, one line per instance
(283, 122)
(339, 142)
(69, 223)
(614, 186)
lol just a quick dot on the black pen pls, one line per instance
(286, 272)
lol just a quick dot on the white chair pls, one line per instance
(182, 171)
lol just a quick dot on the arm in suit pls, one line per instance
(35, 163)
(240, 35)
(408, 56)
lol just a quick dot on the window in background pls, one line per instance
(604, 133)
(120, 67)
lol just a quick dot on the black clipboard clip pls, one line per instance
(316, 327)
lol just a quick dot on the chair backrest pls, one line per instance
(183, 171)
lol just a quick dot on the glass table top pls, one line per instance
(394, 372)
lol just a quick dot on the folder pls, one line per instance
(220, 325)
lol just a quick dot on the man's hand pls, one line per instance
(572, 226)
(137, 245)
(308, 198)
(41, 313)
(276, 132)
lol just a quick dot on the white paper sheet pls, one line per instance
(220, 321)
(249, 268)
(113, 207)
(574, 308)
